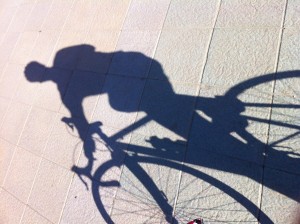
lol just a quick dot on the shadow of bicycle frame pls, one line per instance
(134, 83)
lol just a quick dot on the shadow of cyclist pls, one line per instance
(210, 141)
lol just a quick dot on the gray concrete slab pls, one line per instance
(142, 111)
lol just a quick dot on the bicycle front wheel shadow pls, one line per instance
(138, 201)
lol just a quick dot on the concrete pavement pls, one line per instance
(149, 111)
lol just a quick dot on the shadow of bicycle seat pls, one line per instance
(206, 131)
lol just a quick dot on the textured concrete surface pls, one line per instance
(198, 128)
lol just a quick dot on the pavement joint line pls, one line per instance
(25, 204)
(48, 139)
(41, 158)
(24, 37)
(15, 13)
(95, 106)
(12, 195)
(142, 93)
(30, 110)
(11, 99)
(59, 35)
(261, 189)
(98, 97)
(195, 102)
(16, 145)
(37, 213)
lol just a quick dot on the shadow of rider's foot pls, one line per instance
(82, 171)
(86, 171)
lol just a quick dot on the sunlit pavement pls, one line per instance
(199, 127)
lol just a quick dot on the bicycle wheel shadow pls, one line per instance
(212, 141)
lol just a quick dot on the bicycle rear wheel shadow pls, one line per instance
(213, 198)
(222, 116)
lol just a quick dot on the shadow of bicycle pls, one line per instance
(186, 152)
